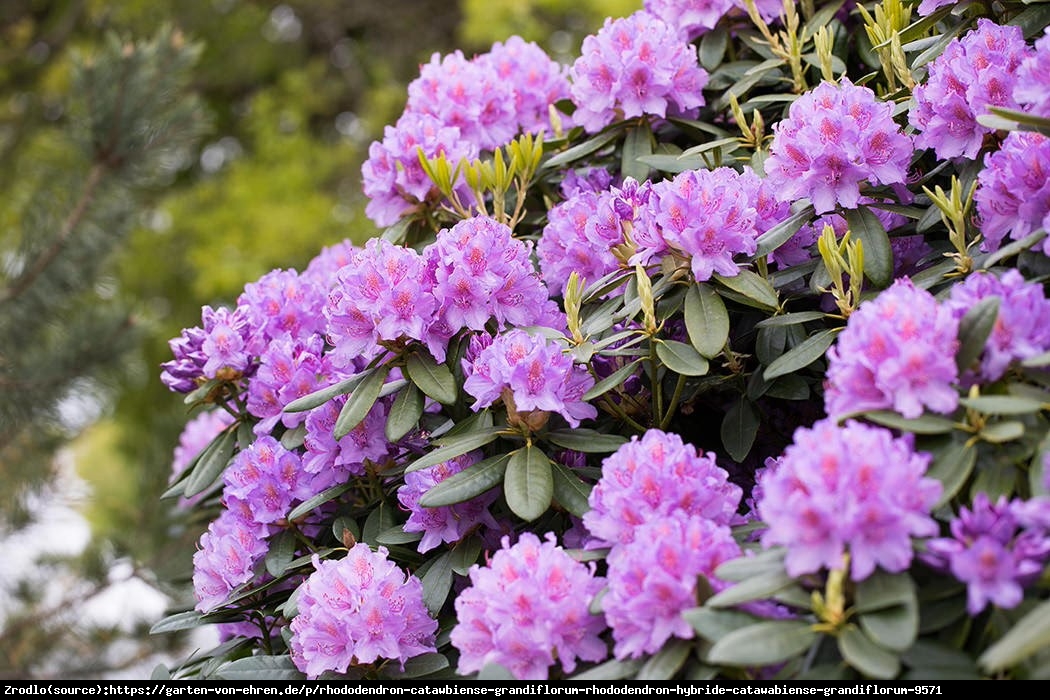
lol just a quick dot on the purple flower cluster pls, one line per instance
(996, 549)
(226, 559)
(896, 352)
(652, 477)
(264, 481)
(445, 523)
(356, 610)
(834, 139)
(653, 578)
(847, 489)
(289, 368)
(635, 66)
(1032, 85)
(283, 303)
(704, 216)
(1022, 328)
(527, 609)
(333, 459)
(971, 74)
(219, 347)
(473, 272)
(530, 373)
(583, 230)
(1013, 190)
(690, 18)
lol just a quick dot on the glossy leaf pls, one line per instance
(404, 413)
(758, 587)
(682, 358)
(586, 440)
(926, 424)
(863, 654)
(436, 576)
(782, 232)
(462, 486)
(974, 328)
(415, 667)
(461, 444)
(528, 485)
(211, 464)
(323, 396)
(433, 379)
(763, 643)
(878, 254)
(261, 668)
(637, 144)
(570, 492)
(612, 381)
(706, 320)
(664, 664)
(1002, 405)
(320, 499)
(802, 355)
(360, 402)
(752, 287)
(739, 428)
(952, 467)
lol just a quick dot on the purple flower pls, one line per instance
(289, 369)
(653, 578)
(355, 610)
(382, 295)
(995, 549)
(226, 559)
(690, 18)
(852, 488)
(635, 66)
(533, 373)
(393, 177)
(1032, 86)
(1013, 190)
(896, 352)
(264, 480)
(1022, 328)
(321, 270)
(971, 74)
(444, 523)
(221, 346)
(537, 80)
(198, 432)
(649, 479)
(480, 271)
(704, 216)
(335, 460)
(528, 609)
(834, 139)
(282, 303)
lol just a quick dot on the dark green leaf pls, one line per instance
(712, 624)
(465, 554)
(974, 329)
(884, 590)
(790, 387)
(930, 654)
(343, 525)
(662, 665)
(586, 440)
(433, 379)
(878, 254)
(753, 287)
(763, 643)
(360, 402)
(581, 150)
(281, 553)
(769, 344)
(569, 491)
(211, 463)
(1002, 405)
(863, 654)
(1000, 432)
(323, 396)
(802, 355)
(462, 486)
(952, 467)
(399, 231)
(612, 381)
(739, 428)
(611, 670)
(528, 484)
(782, 232)
(820, 18)
(743, 568)
(674, 164)
(320, 499)
(436, 576)
(404, 413)
(261, 668)
(682, 358)
(179, 621)
(637, 144)
(397, 535)
(461, 444)
(925, 424)
(1032, 20)
(758, 587)
(1012, 249)
(416, 667)
(379, 520)
(713, 47)
(706, 320)
(791, 319)
(895, 628)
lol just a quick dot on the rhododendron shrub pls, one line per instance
(719, 351)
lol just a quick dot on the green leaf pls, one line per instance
(674, 164)
(586, 440)
(706, 320)
(637, 144)
(345, 524)
(925, 424)
(739, 428)
(323, 396)
(611, 670)
(884, 590)
(1002, 405)
(682, 358)
(436, 576)
(792, 319)
(878, 254)
(1000, 432)
(790, 387)
(455, 447)
(763, 643)
(179, 621)
(281, 553)
(570, 492)
(712, 624)
(802, 355)
(863, 654)
(752, 287)
(662, 665)
(465, 554)
(742, 568)
(974, 328)
(433, 379)
(713, 47)
(1012, 249)
(820, 18)
(528, 484)
(952, 467)
(495, 673)
(261, 668)
(462, 486)
(404, 413)
(211, 463)
(415, 667)
(320, 499)
(929, 654)
(396, 535)
(582, 150)
(758, 587)
(782, 232)
(895, 628)
(360, 402)
(612, 381)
